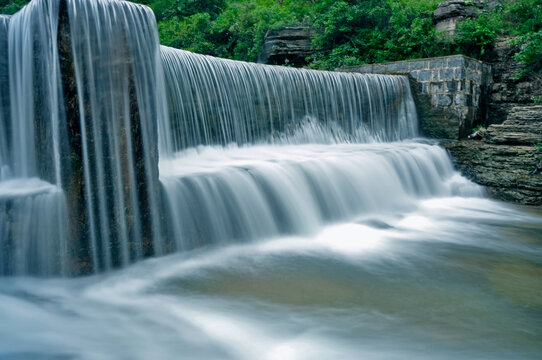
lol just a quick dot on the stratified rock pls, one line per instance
(507, 91)
(506, 171)
(505, 161)
(449, 13)
(523, 127)
(288, 46)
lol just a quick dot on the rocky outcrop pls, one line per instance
(507, 161)
(523, 127)
(449, 13)
(287, 46)
(507, 90)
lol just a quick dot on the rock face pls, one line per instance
(507, 92)
(507, 160)
(523, 127)
(288, 46)
(449, 13)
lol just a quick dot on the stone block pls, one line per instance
(366, 69)
(403, 66)
(450, 86)
(418, 65)
(473, 75)
(463, 99)
(392, 67)
(446, 74)
(437, 87)
(379, 68)
(436, 63)
(444, 100)
(424, 75)
(456, 61)
(434, 99)
(460, 73)
(476, 65)
(425, 88)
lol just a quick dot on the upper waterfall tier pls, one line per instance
(218, 101)
(4, 98)
(81, 90)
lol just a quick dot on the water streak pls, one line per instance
(84, 101)
(219, 195)
(218, 101)
(4, 98)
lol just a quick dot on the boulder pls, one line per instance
(287, 46)
(449, 13)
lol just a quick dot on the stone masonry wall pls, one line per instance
(449, 91)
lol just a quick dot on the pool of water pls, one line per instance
(453, 278)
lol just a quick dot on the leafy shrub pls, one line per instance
(475, 35)
(356, 32)
(11, 6)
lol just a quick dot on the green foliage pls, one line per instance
(475, 36)
(537, 99)
(353, 32)
(478, 128)
(523, 16)
(242, 27)
(530, 54)
(171, 9)
(235, 29)
(347, 32)
(190, 33)
(524, 19)
(11, 6)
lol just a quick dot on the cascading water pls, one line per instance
(217, 101)
(279, 181)
(328, 230)
(88, 99)
(4, 98)
(83, 102)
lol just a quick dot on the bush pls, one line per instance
(530, 54)
(475, 36)
(356, 32)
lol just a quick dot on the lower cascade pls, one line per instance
(118, 149)
(157, 204)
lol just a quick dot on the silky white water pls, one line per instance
(303, 215)
(451, 278)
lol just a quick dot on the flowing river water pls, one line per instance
(448, 278)
(293, 214)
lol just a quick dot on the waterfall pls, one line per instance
(218, 101)
(114, 148)
(4, 98)
(240, 194)
(84, 102)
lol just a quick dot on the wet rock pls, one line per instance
(505, 160)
